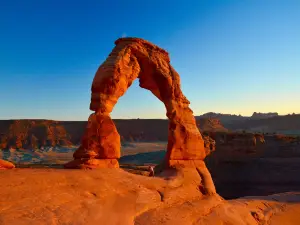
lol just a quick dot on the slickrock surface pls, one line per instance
(116, 197)
(134, 58)
(6, 165)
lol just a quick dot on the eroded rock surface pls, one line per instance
(115, 197)
(209, 144)
(134, 58)
(6, 165)
(210, 125)
(237, 143)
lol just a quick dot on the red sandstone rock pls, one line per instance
(28, 134)
(134, 58)
(101, 139)
(237, 144)
(92, 164)
(6, 165)
(209, 144)
(204, 174)
(243, 143)
(210, 125)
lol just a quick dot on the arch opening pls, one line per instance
(139, 136)
(138, 103)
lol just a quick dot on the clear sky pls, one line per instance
(233, 56)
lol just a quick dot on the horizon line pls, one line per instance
(139, 118)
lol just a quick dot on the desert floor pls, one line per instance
(114, 196)
(41, 192)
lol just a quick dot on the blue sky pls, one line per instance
(233, 56)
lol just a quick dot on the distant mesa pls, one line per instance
(259, 115)
(234, 117)
(211, 124)
(224, 118)
(36, 134)
(258, 122)
(32, 134)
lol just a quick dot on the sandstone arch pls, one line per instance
(130, 59)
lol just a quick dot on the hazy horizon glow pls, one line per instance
(235, 57)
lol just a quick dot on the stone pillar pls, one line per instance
(100, 144)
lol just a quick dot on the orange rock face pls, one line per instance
(6, 165)
(134, 58)
(101, 139)
(209, 144)
(92, 163)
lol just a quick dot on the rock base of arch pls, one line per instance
(92, 164)
(189, 167)
(185, 163)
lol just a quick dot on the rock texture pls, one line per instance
(224, 118)
(288, 124)
(116, 197)
(69, 133)
(209, 144)
(254, 164)
(134, 58)
(32, 134)
(259, 122)
(6, 165)
(210, 124)
(237, 143)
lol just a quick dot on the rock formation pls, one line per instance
(210, 124)
(134, 58)
(32, 134)
(237, 143)
(244, 164)
(6, 165)
(114, 197)
(289, 124)
(259, 115)
(209, 144)
(224, 118)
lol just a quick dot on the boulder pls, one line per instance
(6, 165)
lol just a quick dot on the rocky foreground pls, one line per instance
(114, 196)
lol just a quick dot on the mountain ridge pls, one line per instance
(37, 133)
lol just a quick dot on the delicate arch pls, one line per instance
(134, 58)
